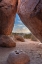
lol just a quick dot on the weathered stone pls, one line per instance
(18, 57)
(7, 41)
(19, 38)
(8, 10)
(30, 12)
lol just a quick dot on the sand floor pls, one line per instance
(32, 48)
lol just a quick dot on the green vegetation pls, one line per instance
(22, 34)
(27, 36)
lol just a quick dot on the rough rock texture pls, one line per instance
(18, 57)
(8, 10)
(30, 12)
(7, 41)
(19, 38)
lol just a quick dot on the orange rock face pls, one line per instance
(30, 12)
(8, 10)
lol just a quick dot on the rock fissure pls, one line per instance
(30, 12)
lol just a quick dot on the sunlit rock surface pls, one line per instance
(8, 10)
(7, 16)
(30, 12)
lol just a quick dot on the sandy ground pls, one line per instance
(32, 48)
